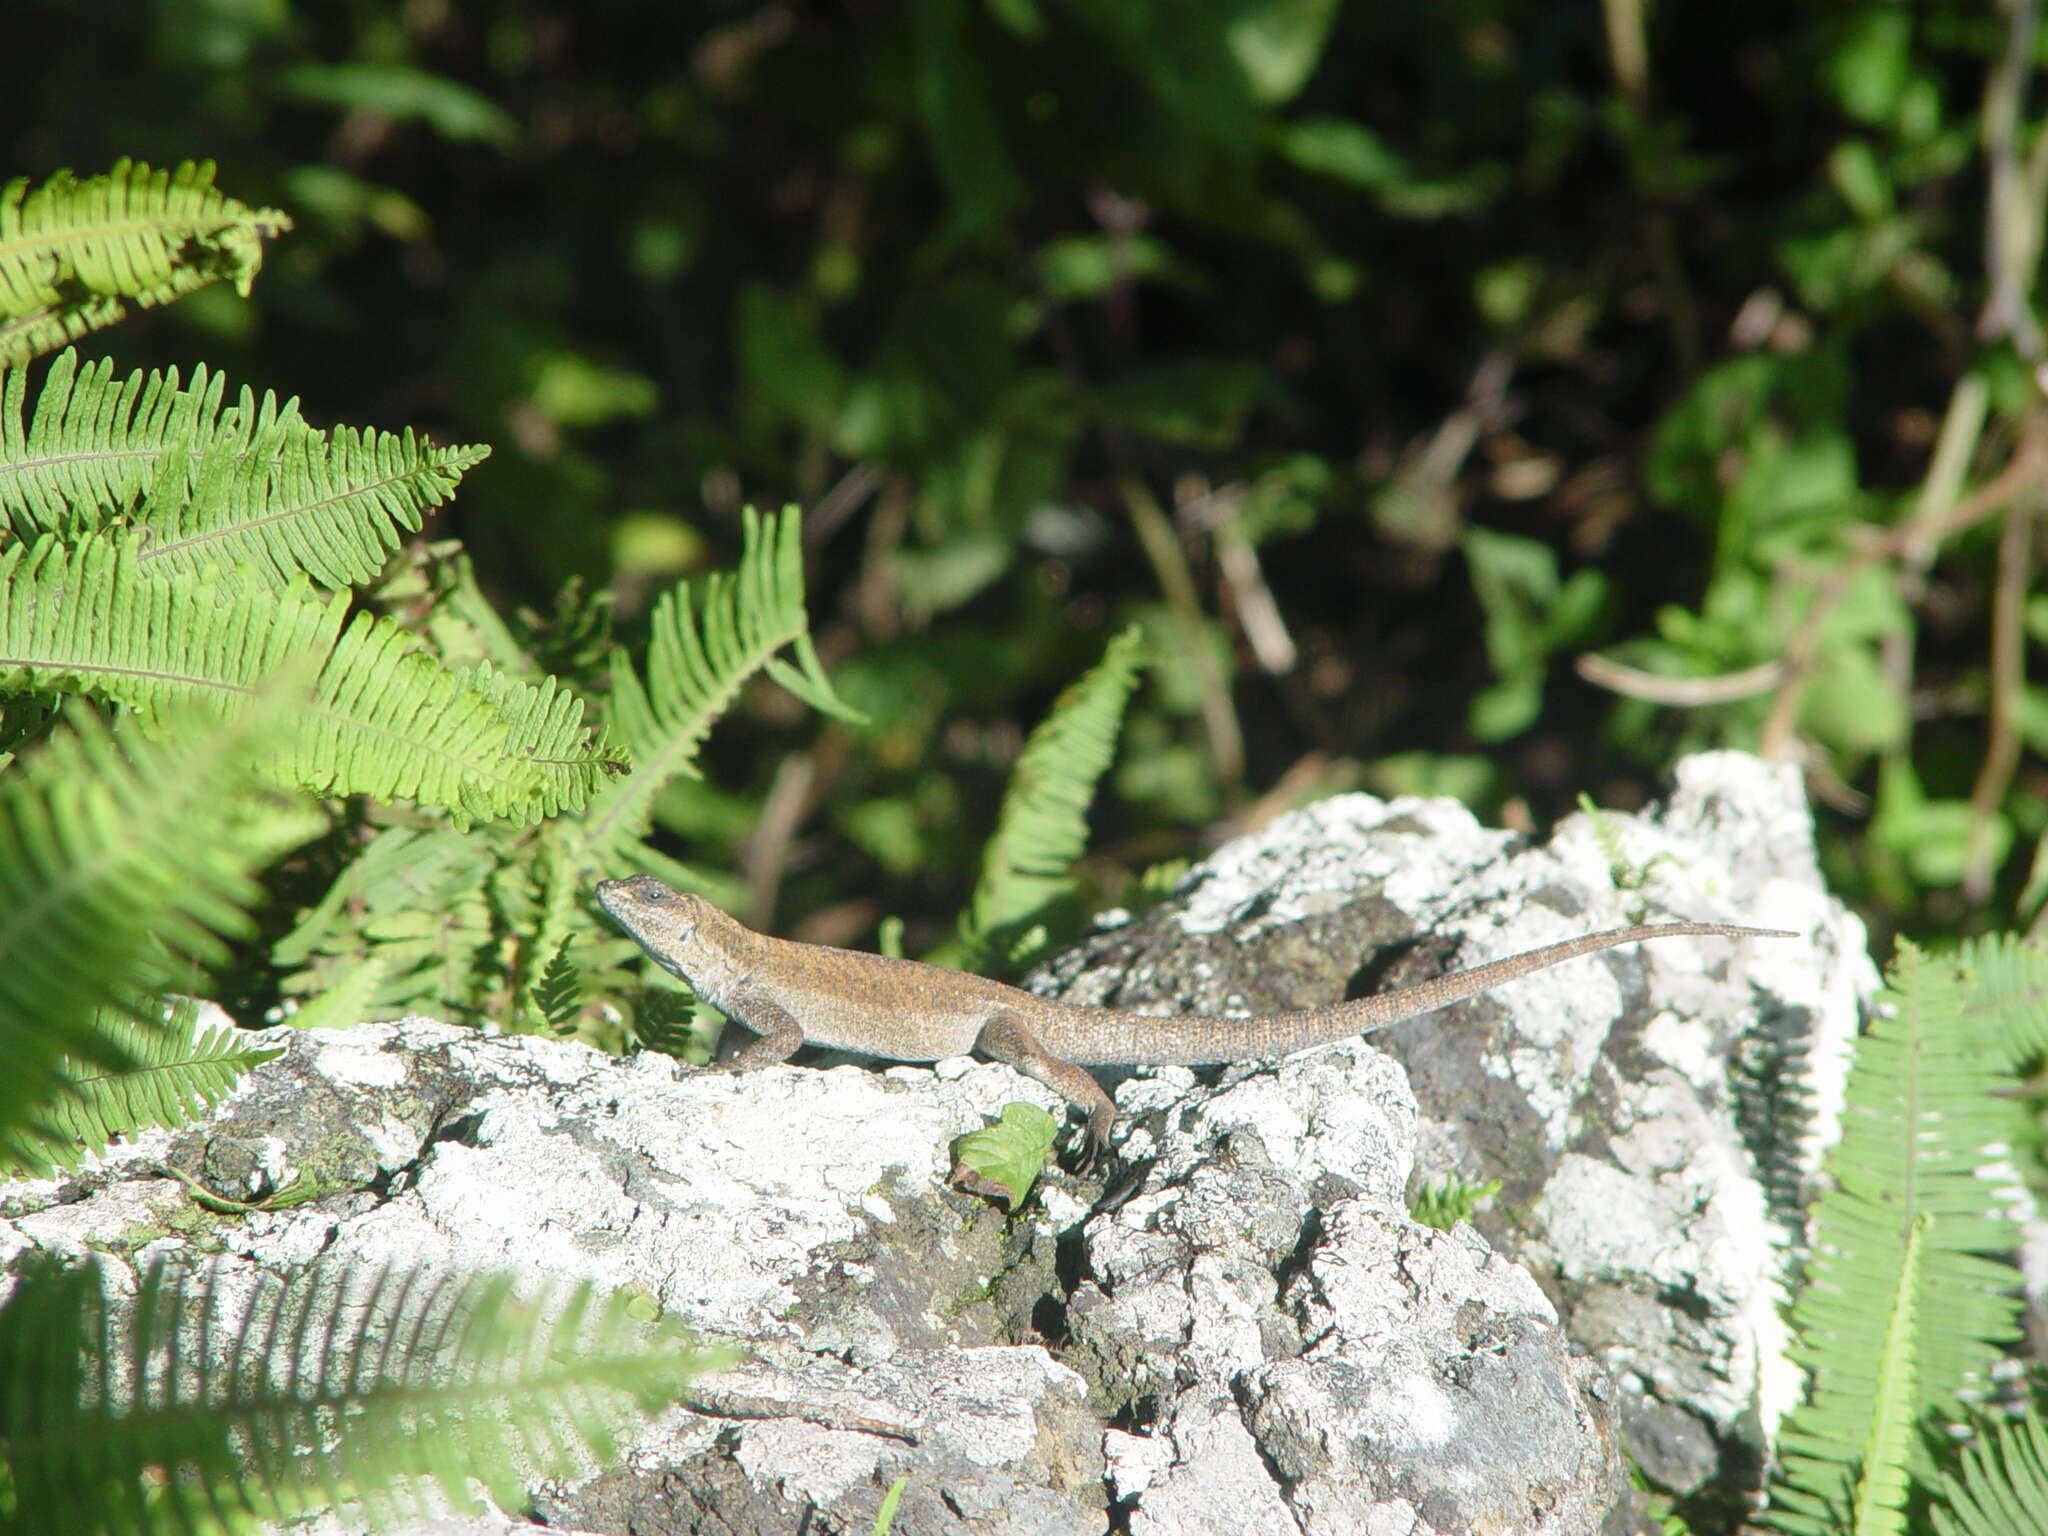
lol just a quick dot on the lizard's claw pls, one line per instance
(1092, 1148)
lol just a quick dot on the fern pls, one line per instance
(172, 1072)
(557, 995)
(349, 1000)
(707, 639)
(204, 1403)
(75, 254)
(1881, 1482)
(1026, 869)
(416, 903)
(1926, 1113)
(381, 716)
(2001, 1488)
(247, 484)
(114, 866)
(2009, 996)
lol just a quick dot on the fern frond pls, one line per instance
(1026, 869)
(74, 254)
(544, 726)
(413, 901)
(112, 863)
(372, 1388)
(707, 638)
(349, 1000)
(171, 1073)
(1881, 1481)
(332, 505)
(247, 484)
(558, 992)
(1924, 1119)
(2001, 1488)
(2009, 995)
(383, 716)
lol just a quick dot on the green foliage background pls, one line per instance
(1379, 359)
(1488, 397)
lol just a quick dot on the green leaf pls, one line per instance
(1851, 703)
(1043, 825)
(1932, 836)
(572, 390)
(1869, 69)
(707, 638)
(1928, 1106)
(75, 254)
(349, 1000)
(885, 1514)
(1854, 168)
(1529, 612)
(2001, 1486)
(251, 484)
(169, 1074)
(557, 994)
(373, 1390)
(400, 91)
(1280, 43)
(1450, 1200)
(119, 868)
(1344, 151)
(789, 373)
(1004, 1160)
(1088, 266)
(381, 716)
(962, 130)
(1882, 1483)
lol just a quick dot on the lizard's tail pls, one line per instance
(1194, 1041)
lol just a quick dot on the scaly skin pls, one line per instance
(902, 1010)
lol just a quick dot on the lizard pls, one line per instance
(790, 994)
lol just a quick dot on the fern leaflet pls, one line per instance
(362, 1387)
(412, 903)
(112, 863)
(247, 484)
(74, 254)
(1026, 869)
(2001, 1489)
(707, 639)
(1925, 1115)
(170, 1074)
(381, 715)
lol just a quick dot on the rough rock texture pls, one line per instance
(1634, 1105)
(1248, 1333)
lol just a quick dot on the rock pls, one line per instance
(1249, 1333)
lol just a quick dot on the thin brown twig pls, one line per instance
(2012, 232)
(1177, 584)
(1215, 513)
(1685, 692)
(2008, 684)
(766, 854)
(2029, 460)
(841, 502)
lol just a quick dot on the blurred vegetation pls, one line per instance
(1380, 361)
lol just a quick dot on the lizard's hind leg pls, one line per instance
(1005, 1038)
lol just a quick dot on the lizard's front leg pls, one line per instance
(777, 1033)
(1004, 1038)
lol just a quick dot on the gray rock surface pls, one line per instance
(1249, 1333)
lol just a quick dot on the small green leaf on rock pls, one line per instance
(1004, 1160)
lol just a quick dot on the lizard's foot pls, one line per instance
(1092, 1147)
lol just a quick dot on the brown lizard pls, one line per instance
(903, 1010)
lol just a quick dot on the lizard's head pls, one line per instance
(661, 921)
